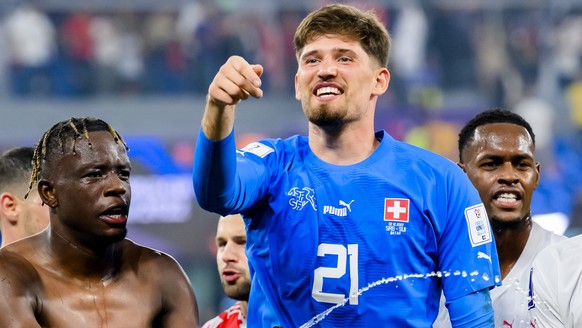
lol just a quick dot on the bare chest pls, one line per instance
(125, 301)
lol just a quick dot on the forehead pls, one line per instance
(332, 42)
(231, 225)
(501, 137)
(98, 147)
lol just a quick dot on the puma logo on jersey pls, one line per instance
(339, 211)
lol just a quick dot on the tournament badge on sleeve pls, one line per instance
(478, 223)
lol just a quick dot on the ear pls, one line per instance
(382, 81)
(538, 168)
(9, 207)
(46, 191)
(297, 94)
(462, 166)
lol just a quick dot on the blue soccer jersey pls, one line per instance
(363, 245)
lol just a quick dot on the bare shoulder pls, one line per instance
(18, 276)
(16, 260)
(148, 258)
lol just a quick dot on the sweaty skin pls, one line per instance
(81, 271)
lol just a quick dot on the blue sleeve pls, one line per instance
(226, 182)
(472, 311)
(467, 253)
(214, 172)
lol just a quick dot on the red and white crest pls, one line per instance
(396, 209)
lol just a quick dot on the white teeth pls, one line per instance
(507, 197)
(328, 90)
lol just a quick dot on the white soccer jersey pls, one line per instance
(510, 300)
(557, 285)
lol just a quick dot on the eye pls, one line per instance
(311, 60)
(489, 165)
(344, 59)
(94, 174)
(124, 175)
(523, 165)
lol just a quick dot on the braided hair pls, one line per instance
(54, 141)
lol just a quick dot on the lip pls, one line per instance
(327, 85)
(495, 200)
(117, 219)
(115, 214)
(230, 276)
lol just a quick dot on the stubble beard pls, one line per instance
(239, 291)
(323, 116)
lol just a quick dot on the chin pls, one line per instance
(117, 237)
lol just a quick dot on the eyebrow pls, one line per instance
(334, 50)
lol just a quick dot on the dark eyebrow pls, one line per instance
(338, 50)
(501, 157)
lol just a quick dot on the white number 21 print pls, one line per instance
(336, 272)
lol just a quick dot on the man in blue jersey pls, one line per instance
(346, 227)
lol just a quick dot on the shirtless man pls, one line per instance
(82, 271)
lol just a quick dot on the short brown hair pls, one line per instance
(348, 21)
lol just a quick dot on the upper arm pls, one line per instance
(179, 305)
(19, 284)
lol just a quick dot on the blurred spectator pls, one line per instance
(568, 50)
(4, 63)
(106, 53)
(451, 46)
(165, 68)
(130, 67)
(31, 40)
(409, 37)
(77, 50)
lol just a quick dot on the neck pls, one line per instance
(510, 239)
(342, 145)
(82, 261)
(244, 307)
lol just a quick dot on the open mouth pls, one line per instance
(115, 215)
(328, 91)
(507, 197)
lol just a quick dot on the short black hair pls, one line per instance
(494, 115)
(15, 168)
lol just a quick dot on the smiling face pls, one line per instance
(232, 262)
(337, 82)
(88, 189)
(500, 163)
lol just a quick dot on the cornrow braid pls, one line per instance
(58, 135)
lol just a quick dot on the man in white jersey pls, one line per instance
(557, 285)
(496, 150)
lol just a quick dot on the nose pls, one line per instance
(507, 174)
(228, 253)
(327, 69)
(115, 185)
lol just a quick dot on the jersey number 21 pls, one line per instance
(336, 272)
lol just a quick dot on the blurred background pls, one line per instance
(144, 67)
